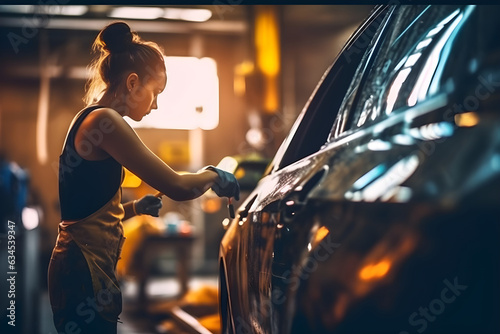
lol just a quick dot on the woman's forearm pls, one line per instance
(129, 210)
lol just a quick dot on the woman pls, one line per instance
(128, 76)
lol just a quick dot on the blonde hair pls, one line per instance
(121, 52)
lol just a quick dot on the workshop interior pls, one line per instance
(238, 77)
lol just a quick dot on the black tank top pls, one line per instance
(85, 185)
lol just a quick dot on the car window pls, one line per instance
(397, 70)
(312, 127)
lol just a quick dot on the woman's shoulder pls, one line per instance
(104, 118)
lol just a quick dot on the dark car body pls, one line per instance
(380, 212)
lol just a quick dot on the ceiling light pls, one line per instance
(73, 10)
(146, 13)
(49, 10)
(187, 14)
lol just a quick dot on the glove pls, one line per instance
(226, 184)
(149, 205)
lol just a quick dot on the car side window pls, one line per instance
(312, 128)
(397, 72)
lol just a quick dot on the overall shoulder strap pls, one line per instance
(75, 124)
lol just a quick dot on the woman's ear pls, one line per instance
(132, 81)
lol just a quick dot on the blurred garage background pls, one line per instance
(238, 77)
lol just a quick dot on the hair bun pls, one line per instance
(115, 37)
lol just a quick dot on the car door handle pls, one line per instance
(244, 213)
(296, 201)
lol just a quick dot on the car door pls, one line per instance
(399, 233)
(249, 251)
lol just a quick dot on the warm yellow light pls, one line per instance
(244, 68)
(239, 85)
(320, 234)
(240, 173)
(211, 204)
(271, 102)
(268, 53)
(267, 40)
(240, 71)
(130, 180)
(190, 99)
(374, 271)
(467, 119)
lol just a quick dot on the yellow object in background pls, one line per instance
(131, 180)
(267, 45)
(206, 294)
(174, 152)
(136, 229)
(211, 322)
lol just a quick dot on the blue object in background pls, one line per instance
(13, 192)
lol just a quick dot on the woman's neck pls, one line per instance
(114, 101)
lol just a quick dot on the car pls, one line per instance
(380, 212)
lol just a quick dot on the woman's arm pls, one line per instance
(112, 134)
(129, 211)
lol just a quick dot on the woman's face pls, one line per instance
(143, 96)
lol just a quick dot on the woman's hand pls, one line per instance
(149, 205)
(226, 184)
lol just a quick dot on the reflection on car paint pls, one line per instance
(378, 145)
(281, 183)
(381, 180)
(467, 119)
(432, 131)
(439, 53)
